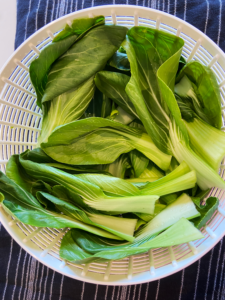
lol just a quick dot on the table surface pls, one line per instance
(7, 21)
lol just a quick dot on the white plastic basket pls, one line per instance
(20, 121)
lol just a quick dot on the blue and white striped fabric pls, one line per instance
(24, 278)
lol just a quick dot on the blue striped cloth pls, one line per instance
(21, 276)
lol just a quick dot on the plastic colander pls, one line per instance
(20, 125)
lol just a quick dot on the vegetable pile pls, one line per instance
(130, 146)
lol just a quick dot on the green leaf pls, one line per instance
(181, 170)
(183, 207)
(113, 85)
(139, 162)
(70, 251)
(25, 208)
(206, 211)
(153, 71)
(85, 58)
(119, 167)
(112, 185)
(208, 142)
(182, 183)
(119, 61)
(207, 177)
(181, 232)
(66, 108)
(39, 68)
(147, 217)
(182, 63)
(122, 228)
(170, 198)
(151, 172)
(100, 141)
(203, 92)
(89, 193)
(15, 172)
(79, 27)
(55, 176)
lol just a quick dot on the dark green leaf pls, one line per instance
(207, 104)
(39, 68)
(79, 27)
(113, 85)
(122, 229)
(24, 207)
(85, 58)
(139, 162)
(66, 108)
(119, 61)
(153, 71)
(206, 211)
(100, 141)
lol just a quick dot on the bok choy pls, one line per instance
(130, 143)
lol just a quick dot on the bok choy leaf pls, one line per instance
(85, 58)
(198, 88)
(121, 227)
(25, 208)
(79, 27)
(40, 67)
(91, 246)
(153, 72)
(207, 141)
(113, 85)
(100, 141)
(66, 108)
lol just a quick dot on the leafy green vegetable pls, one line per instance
(25, 208)
(16, 172)
(206, 176)
(91, 194)
(121, 116)
(40, 67)
(79, 27)
(206, 211)
(119, 167)
(113, 85)
(112, 185)
(100, 141)
(207, 141)
(70, 251)
(66, 108)
(182, 183)
(183, 207)
(142, 204)
(85, 58)
(119, 61)
(181, 170)
(151, 172)
(198, 87)
(147, 217)
(139, 162)
(123, 228)
(181, 232)
(146, 52)
(153, 69)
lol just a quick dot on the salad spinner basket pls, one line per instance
(20, 125)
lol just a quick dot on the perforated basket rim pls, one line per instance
(214, 236)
